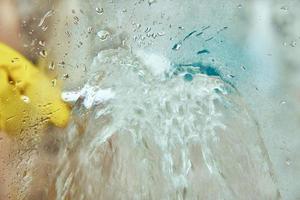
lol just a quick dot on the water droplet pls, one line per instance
(44, 28)
(240, 6)
(103, 35)
(42, 43)
(123, 42)
(177, 46)
(53, 82)
(51, 66)
(293, 43)
(188, 77)
(66, 76)
(24, 174)
(150, 2)
(288, 162)
(62, 63)
(68, 33)
(204, 51)
(14, 60)
(90, 29)
(25, 99)
(283, 102)
(154, 35)
(161, 33)
(48, 14)
(148, 29)
(76, 20)
(100, 11)
(285, 8)
(43, 53)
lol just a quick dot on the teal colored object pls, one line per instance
(188, 77)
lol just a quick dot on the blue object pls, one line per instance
(188, 77)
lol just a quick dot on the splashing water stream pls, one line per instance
(160, 136)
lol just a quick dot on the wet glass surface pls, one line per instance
(149, 99)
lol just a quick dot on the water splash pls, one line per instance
(161, 138)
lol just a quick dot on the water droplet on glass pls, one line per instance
(161, 33)
(293, 43)
(42, 43)
(103, 35)
(90, 29)
(14, 60)
(123, 42)
(25, 99)
(283, 102)
(76, 20)
(154, 35)
(43, 53)
(188, 77)
(148, 29)
(285, 8)
(150, 2)
(66, 76)
(51, 66)
(68, 33)
(48, 14)
(62, 63)
(44, 28)
(177, 46)
(240, 6)
(100, 11)
(288, 162)
(53, 82)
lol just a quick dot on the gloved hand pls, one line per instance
(28, 99)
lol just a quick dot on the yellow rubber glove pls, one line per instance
(28, 99)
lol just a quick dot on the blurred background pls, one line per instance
(254, 43)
